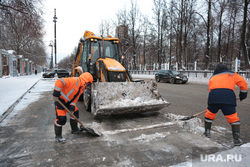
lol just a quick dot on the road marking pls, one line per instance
(137, 129)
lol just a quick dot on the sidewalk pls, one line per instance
(12, 88)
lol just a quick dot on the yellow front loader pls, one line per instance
(113, 90)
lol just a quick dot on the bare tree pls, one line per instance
(159, 11)
(27, 7)
(145, 36)
(67, 62)
(243, 35)
(105, 28)
(188, 18)
(22, 29)
(122, 17)
(222, 7)
(134, 16)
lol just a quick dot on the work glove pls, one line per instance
(71, 109)
(243, 95)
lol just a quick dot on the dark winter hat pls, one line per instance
(220, 67)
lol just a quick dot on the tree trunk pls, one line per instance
(207, 55)
(243, 36)
(180, 35)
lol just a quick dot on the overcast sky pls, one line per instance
(76, 16)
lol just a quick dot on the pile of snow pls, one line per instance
(194, 125)
(124, 95)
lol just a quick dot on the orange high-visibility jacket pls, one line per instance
(222, 85)
(67, 88)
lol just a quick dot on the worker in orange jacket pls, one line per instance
(222, 96)
(68, 90)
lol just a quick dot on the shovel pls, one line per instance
(89, 130)
(195, 115)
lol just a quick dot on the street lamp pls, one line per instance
(54, 20)
(51, 61)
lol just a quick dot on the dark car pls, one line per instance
(60, 73)
(170, 76)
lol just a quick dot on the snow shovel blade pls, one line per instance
(193, 116)
(89, 130)
(187, 118)
(111, 98)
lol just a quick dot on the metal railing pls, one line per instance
(189, 73)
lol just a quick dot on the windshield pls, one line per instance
(111, 50)
(175, 72)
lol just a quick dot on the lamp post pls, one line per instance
(54, 20)
(51, 61)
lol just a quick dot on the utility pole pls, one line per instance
(54, 20)
(51, 62)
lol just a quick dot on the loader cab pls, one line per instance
(92, 50)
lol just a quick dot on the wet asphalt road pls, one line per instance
(150, 139)
(191, 98)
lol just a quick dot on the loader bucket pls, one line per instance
(111, 98)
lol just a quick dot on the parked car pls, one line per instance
(60, 73)
(170, 76)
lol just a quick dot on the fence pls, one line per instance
(189, 73)
(236, 65)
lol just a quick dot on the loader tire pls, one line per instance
(87, 98)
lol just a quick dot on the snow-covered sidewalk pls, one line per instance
(12, 88)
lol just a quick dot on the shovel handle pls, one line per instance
(195, 115)
(70, 113)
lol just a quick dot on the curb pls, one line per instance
(10, 109)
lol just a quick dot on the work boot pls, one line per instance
(236, 135)
(58, 133)
(74, 127)
(207, 129)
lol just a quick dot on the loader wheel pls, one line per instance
(87, 98)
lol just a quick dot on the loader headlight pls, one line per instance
(93, 40)
(115, 41)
